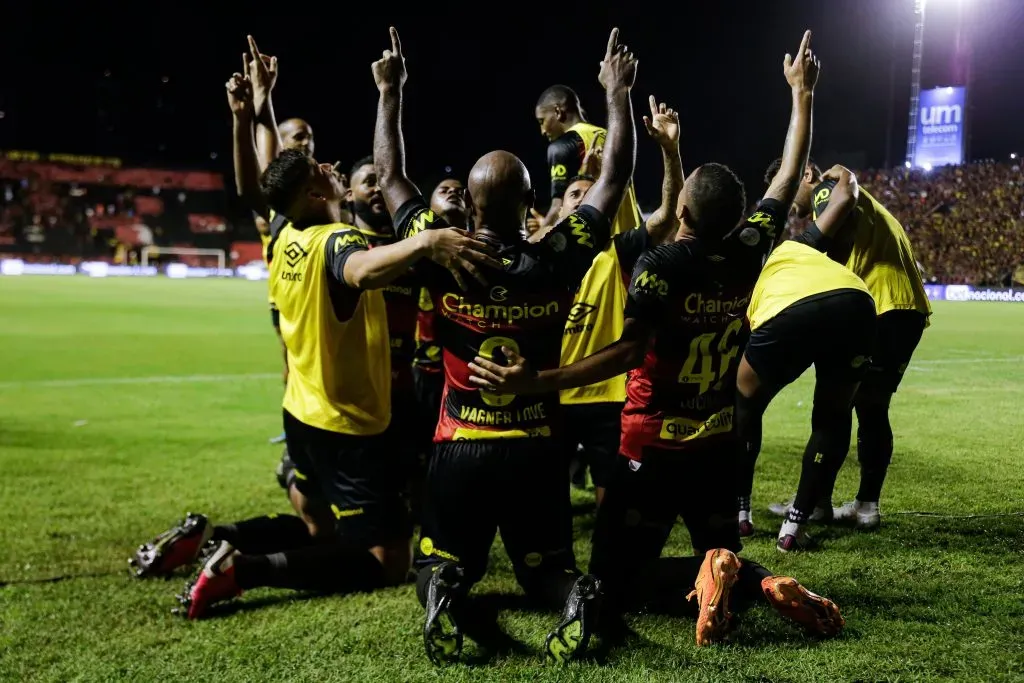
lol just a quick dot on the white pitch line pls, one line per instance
(958, 361)
(166, 379)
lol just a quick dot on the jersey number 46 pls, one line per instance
(702, 353)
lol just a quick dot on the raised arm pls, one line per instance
(663, 127)
(388, 145)
(802, 75)
(262, 71)
(834, 200)
(247, 171)
(618, 72)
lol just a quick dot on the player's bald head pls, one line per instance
(499, 186)
(296, 134)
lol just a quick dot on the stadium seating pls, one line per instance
(966, 222)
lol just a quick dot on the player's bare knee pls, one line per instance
(747, 381)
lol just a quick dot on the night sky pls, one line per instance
(150, 87)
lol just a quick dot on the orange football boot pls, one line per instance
(715, 579)
(817, 615)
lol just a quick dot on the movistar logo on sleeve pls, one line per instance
(423, 220)
(347, 238)
(581, 232)
(762, 218)
(652, 284)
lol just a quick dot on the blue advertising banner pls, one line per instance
(940, 128)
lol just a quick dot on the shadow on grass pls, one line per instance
(227, 609)
(60, 578)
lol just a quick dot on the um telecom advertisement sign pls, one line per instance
(940, 128)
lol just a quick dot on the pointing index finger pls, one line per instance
(613, 41)
(805, 44)
(654, 105)
(396, 43)
(253, 49)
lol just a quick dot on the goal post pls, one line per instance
(146, 252)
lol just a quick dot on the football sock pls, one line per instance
(748, 430)
(660, 588)
(549, 587)
(262, 535)
(823, 456)
(330, 567)
(423, 582)
(748, 583)
(874, 450)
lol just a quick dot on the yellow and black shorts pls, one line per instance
(833, 331)
(361, 478)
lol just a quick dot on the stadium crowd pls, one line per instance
(966, 223)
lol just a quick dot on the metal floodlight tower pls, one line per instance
(915, 79)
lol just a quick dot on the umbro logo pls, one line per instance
(294, 253)
(580, 311)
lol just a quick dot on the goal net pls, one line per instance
(194, 258)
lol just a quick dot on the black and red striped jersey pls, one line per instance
(524, 307)
(694, 295)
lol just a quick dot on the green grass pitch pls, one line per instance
(125, 403)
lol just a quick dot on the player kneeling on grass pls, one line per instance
(490, 448)
(681, 336)
(326, 284)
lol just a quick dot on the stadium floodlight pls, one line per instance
(1013, 155)
(926, 166)
(915, 79)
(907, 164)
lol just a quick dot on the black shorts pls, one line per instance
(275, 317)
(642, 501)
(476, 488)
(597, 427)
(834, 332)
(357, 476)
(897, 335)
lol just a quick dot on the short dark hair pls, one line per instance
(560, 94)
(717, 199)
(365, 161)
(284, 178)
(581, 176)
(773, 170)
